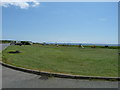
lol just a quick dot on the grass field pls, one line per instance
(0, 56)
(70, 60)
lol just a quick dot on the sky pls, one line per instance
(73, 22)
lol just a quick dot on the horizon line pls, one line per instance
(58, 42)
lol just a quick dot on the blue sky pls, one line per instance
(83, 22)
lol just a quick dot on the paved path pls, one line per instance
(17, 79)
(3, 46)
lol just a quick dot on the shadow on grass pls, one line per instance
(14, 51)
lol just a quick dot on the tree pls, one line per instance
(25, 43)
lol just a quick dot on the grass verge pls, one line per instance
(70, 60)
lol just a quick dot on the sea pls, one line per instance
(86, 44)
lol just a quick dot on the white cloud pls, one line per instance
(23, 4)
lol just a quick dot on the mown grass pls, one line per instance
(0, 56)
(70, 60)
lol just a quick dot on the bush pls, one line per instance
(25, 43)
(18, 44)
(106, 46)
(93, 46)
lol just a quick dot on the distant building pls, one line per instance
(18, 41)
(13, 43)
(30, 42)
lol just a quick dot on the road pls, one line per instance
(3, 46)
(17, 79)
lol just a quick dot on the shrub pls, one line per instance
(18, 44)
(93, 46)
(106, 46)
(25, 43)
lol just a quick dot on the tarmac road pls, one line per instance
(17, 79)
(3, 46)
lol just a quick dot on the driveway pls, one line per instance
(17, 79)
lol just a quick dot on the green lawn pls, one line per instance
(70, 60)
(0, 56)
